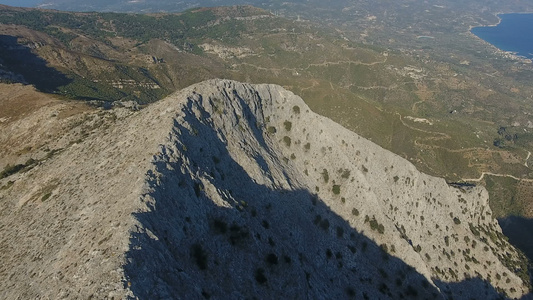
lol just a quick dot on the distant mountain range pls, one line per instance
(137, 5)
(22, 3)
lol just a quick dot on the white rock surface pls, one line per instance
(220, 191)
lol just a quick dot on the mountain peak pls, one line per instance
(233, 190)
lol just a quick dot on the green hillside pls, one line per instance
(450, 116)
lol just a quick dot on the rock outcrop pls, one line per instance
(229, 190)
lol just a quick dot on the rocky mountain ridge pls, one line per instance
(235, 190)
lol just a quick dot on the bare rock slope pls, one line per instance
(229, 190)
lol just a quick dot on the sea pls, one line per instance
(21, 3)
(513, 34)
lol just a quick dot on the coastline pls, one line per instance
(507, 54)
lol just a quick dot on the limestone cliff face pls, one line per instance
(229, 190)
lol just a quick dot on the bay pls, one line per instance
(514, 34)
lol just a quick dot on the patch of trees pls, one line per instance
(504, 137)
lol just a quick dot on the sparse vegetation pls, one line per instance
(238, 234)
(7, 186)
(13, 169)
(374, 224)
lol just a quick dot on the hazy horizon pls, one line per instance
(20, 3)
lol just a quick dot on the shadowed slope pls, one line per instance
(231, 217)
(253, 240)
(19, 59)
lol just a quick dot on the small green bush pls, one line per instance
(10, 170)
(296, 109)
(345, 173)
(329, 254)
(336, 189)
(198, 188)
(272, 259)
(411, 292)
(381, 229)
(325, 175)
(350, 292)
(324, 224)
(260, 276)
(238, 235)
(288, 125)
(46, 196)
(287, 141)
(340, 232)
(375, 225)
(265, 224)
(199, 256)
(383, 273)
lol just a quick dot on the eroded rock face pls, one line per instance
(230, 190)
